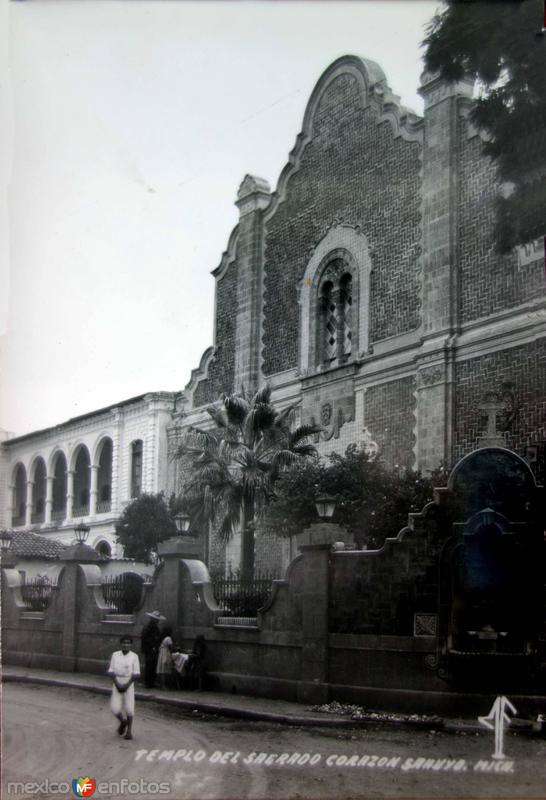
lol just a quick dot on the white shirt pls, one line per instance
(123, 665)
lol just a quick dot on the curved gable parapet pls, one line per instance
(228, 256)
(373, 91)
(201, 372)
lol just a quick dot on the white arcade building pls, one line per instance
(86, 469)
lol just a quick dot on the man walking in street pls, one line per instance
(150, 641)
(124, 669)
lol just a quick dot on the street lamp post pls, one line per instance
(182, 522)
(82, 532)
(325, 505)
(6, 538)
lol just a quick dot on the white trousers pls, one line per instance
(123, 702)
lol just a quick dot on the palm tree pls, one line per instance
(234, 466)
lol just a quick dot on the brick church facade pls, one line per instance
(368, 288)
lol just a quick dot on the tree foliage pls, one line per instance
(496, 42)
(233, 467)
(372, 502)
(145, 522)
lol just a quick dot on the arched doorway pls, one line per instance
(491, 586)
(104, 548)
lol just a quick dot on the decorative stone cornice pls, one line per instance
(435, 89)
(254, 193)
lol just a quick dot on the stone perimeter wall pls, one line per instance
(340, 625)
(78, 633)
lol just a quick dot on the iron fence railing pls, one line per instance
(242, 598)
(123, 593)
(104, 506)
(36, 593)
(80, 511)
(58, 513)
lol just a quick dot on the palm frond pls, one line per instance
(228, 526)
(197, 437)
(303, 431)
(208, 503)
(219, 415)
(257, 423)
(305, 450)
(284, 458)
(262, 396)
(284, 417)
(237, 407)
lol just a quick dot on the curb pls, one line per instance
(191, 705)
(439, 724)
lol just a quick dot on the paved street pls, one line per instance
(61, 734)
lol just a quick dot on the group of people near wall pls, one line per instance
(165, 662)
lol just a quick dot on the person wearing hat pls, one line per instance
(124, 669)
(150, 640)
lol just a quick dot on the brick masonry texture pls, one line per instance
(222, 369)
(356, 170)
(489, 282)
(381, 595)
(389, 414)
(522, 368)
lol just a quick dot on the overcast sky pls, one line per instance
(128, 127)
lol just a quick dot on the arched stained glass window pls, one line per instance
(336, 316)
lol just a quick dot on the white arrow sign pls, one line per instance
(496, 720)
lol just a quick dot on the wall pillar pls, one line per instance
(440, 308)
(313, 687)
(120, 455)
(93, 489)
(29, 503)
(73, 557)
(49, 499)
(69, 493)
(11, 505)
(253, 197)
(173, 551)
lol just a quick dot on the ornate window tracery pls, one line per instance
(335, 317)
